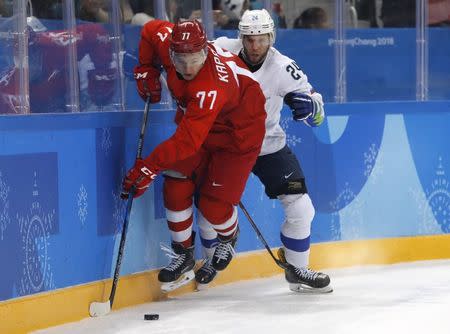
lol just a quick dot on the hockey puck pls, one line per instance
(152, 316)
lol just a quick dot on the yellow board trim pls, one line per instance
(22, 315)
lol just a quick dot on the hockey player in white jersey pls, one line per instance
(277, 167)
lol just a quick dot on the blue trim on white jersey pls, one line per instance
(296, 245)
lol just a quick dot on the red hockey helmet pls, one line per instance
(188, 37)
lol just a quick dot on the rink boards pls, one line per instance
(377, 174)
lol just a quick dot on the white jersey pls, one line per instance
(277, 76)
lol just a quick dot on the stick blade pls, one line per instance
(98, 309)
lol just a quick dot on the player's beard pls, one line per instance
(255, 59)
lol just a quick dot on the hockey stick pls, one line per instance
(280, 263)
(97, 309)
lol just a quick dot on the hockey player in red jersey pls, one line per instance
(220, 127)
(48, 68)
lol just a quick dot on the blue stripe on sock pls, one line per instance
(209, 243)
(296, 245)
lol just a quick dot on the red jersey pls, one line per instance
(210, 112)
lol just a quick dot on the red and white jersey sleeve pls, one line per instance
(154, 43)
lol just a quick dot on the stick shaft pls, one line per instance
(260, 236)
(128, 208)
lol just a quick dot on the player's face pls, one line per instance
(256, 47)
(188, 64)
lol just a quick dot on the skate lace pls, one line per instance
(306, 273)
(207, 266)
(176, 259)
(223, 250)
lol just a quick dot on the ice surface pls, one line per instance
(403, 298)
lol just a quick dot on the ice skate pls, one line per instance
(180, 270)
(224, 251)
(205, 275)
(305, 280)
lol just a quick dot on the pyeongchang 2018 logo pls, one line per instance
(373, 42)
(346, 223)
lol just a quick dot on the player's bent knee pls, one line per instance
(178, 193)
(214, 210)
(299, 213)
(298, 207)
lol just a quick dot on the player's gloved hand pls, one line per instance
(305, 108)
(302, 105)
(148, 84)
(101, 85)
(140, 176)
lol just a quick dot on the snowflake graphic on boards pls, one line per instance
(4, 206)
(82, 202)
(35, 232)
(346, 223)
(427, 222)
(291, 140)
(372, 165)
(119, 209)
(438, 197)
(106, 140)
(434, 203)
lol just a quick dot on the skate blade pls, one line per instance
(182, 280)
(203, 286)
(302, 288)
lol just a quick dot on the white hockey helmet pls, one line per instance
(257, 22)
